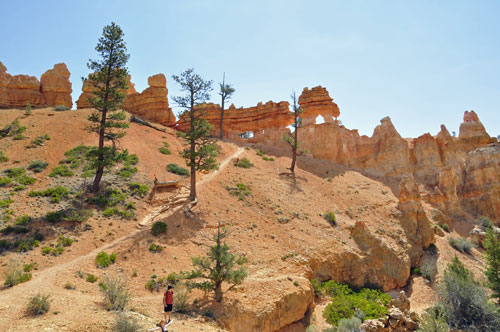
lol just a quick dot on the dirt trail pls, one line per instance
(44, 276)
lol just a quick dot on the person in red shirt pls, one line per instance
(168, 302)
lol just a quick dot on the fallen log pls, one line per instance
(143, 122)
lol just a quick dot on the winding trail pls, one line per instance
(43, 277)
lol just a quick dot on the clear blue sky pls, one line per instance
(422, 63)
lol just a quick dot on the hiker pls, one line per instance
(161, 326)
(168, 302)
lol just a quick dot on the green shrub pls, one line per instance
(126, 324)
(155, 248)
(25, 180)
(38, 305)
(158, 228)
(65, 241)
(61, 108)
(61, 170)
(37, 166)
(5, 181)
(131, 159)
(14, 274)
(345, 302)
(466, 304)
(3, 157)
(91, 278)
(14, 229)
(108, 197)
(115, 293)
(461, 244)
(351, 324)
(165, 148)
(30, 267)
(5, 203)
(19, 187)
(77, 156)
(260, 152)
(28, 109)
(484, 222)
(15, 172)
(39, 141)
(173, 278)
(241, 191)
(181, 298)
(69, 285)
(445, 227)
(54, 216)
(18, 137)
(243, 163)
(138, 189)
(176, 169)
(330, 217)
(23, 220)
(127, 171)
(55, 194)
(15, 129)
(104, 260)
(433, 320)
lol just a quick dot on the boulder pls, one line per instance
(402, 303)
(317, 101)
(56, 87)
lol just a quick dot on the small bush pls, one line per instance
(181, 298)
(484, 222)
(39, 141)
(445, 227)
(54, 216)
(14, 229)
(3, 157)
(15, 172)
(330, 217)
(91, 278)
(18, 137)
(27, 109)
(5, 181)
(108, 197)
(165, 148)
(433, 320)
(176, 169)
(61, 108)
(126, 324)
(23, 220)
(14, 274)
(30, 267)
(127, 171)
(65, 241)
(13, 129)
(5, 203)
(349, 325)
(104, 260)
(116, 295)
(260, 152)
(173, 278)
(462, 244)
(155, 248)
(243, 163)
(69, 285)
(61, 170)
(25, 180)
(241, 191)
(55, 194)
(158, 228)
(138, 189)
(38, 305)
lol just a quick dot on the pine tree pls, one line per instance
(226, 91)
(492, 246)
(108, 81)
(293, 139)
(201, 150)
(218, 267)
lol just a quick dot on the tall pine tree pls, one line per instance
(293, 138)
(109, 83)
(201, 150)
(225, 91)
(492, 246)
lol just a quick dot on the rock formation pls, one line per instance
(472, 133)
(316, 102)
(83, 102)
(266, 121)
(56, 87)
(152, 103)
(19, 90)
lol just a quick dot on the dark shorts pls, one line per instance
(168, 307)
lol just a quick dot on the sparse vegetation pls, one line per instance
(38, 305)
(351, 324)
(5, 181)
(91, 278)
(241, 191)
(159, 227)
(38, 141)
(3, 157)
(103, 260)
(14, 172)
(37, 166)
(330, 217)
(55, 194)
(165, 148)
(61, 108)
(243, 163)
(433, 320)
(155, 248)
(125, 324)
(445, 227)
(14, 274)
(5, 203)
(61, 170)
(176, 169)
(115, 293)
(138, 189)
(181, 298)
(27, 109)
(70, 286)
(462, 244)
(23, 220)
(14, 129)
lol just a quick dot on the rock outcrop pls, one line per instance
(472, 133)
(19, 90)
(316, 102)
(56, 87)
(83, 100)
(264, 311)
(152, 103)
(265, 121)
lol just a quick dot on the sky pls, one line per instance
(423, 63)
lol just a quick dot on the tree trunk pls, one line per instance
(218, 292)
(192, 151)
(221, 116)
(100, 157)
